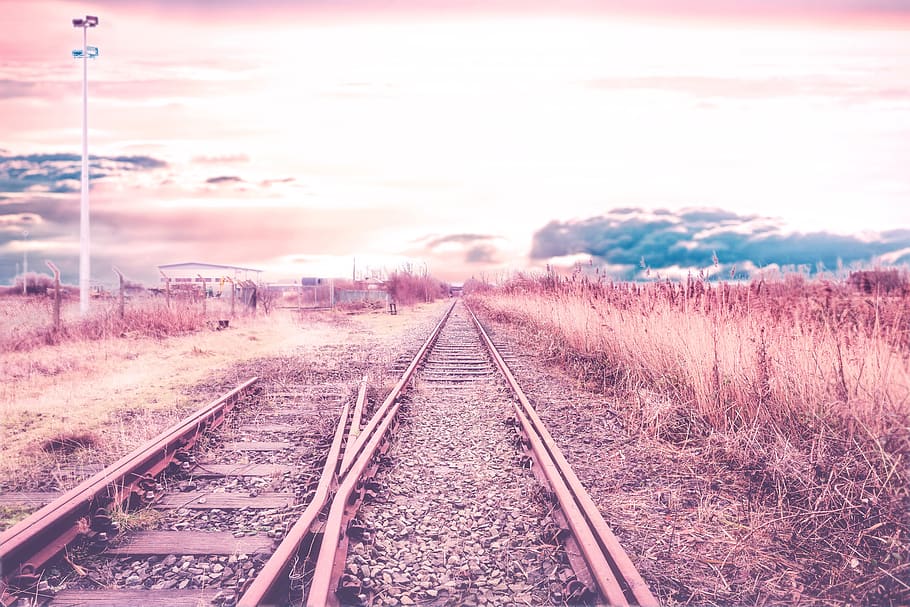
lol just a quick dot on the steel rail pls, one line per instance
(614, 573)
(274, 574)
(330, 561)
(367, 432)
(355, 424)
(83, 510)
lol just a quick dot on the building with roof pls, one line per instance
(210, 276)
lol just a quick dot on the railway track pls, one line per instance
(451, 493)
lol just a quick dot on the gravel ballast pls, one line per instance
(458, 520)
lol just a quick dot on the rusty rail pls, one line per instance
(618, 581)
(85, 510)
(273, 577)
(330, 562)
(356, 421)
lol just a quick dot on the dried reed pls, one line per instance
(802, 386)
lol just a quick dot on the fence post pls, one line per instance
(233, 293)
(204, 294)
(167, 289)
(120, 298)
(56, 272)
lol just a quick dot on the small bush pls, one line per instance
(407, 288)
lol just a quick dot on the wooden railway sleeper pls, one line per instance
(82, 514)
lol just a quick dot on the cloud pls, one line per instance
(278, 9)
(482, 253)
(136, 163)
(223, 179)
(47, 208)
(463, 239)
(226, 159)
(754, 88)
(270, 182)
(690, 238)
(61, 172)
(10, 89)
(151, 229)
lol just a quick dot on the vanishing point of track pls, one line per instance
(308, 562)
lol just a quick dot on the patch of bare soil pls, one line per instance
(115, 394)
(699, 530)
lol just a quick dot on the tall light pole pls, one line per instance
(85, 53)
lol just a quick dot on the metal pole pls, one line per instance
(84, 262)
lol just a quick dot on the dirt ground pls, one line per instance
(83, 404)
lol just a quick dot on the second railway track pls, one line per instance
(452, 493)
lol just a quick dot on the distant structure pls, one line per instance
(209, 276)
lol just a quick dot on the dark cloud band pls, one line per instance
(690, 238)
(60, 172)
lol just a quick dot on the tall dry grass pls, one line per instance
(26, 323)
(803, 386)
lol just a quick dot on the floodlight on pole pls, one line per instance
(85, 53)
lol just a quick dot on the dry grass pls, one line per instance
(69, 406)
(801, 389)
(67, 443)
(28, 321)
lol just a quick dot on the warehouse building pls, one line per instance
(210, 276)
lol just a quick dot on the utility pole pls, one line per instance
(85, 53)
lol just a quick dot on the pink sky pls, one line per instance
(293, 138)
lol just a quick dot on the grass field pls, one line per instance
(106, 384)
(802, 388)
